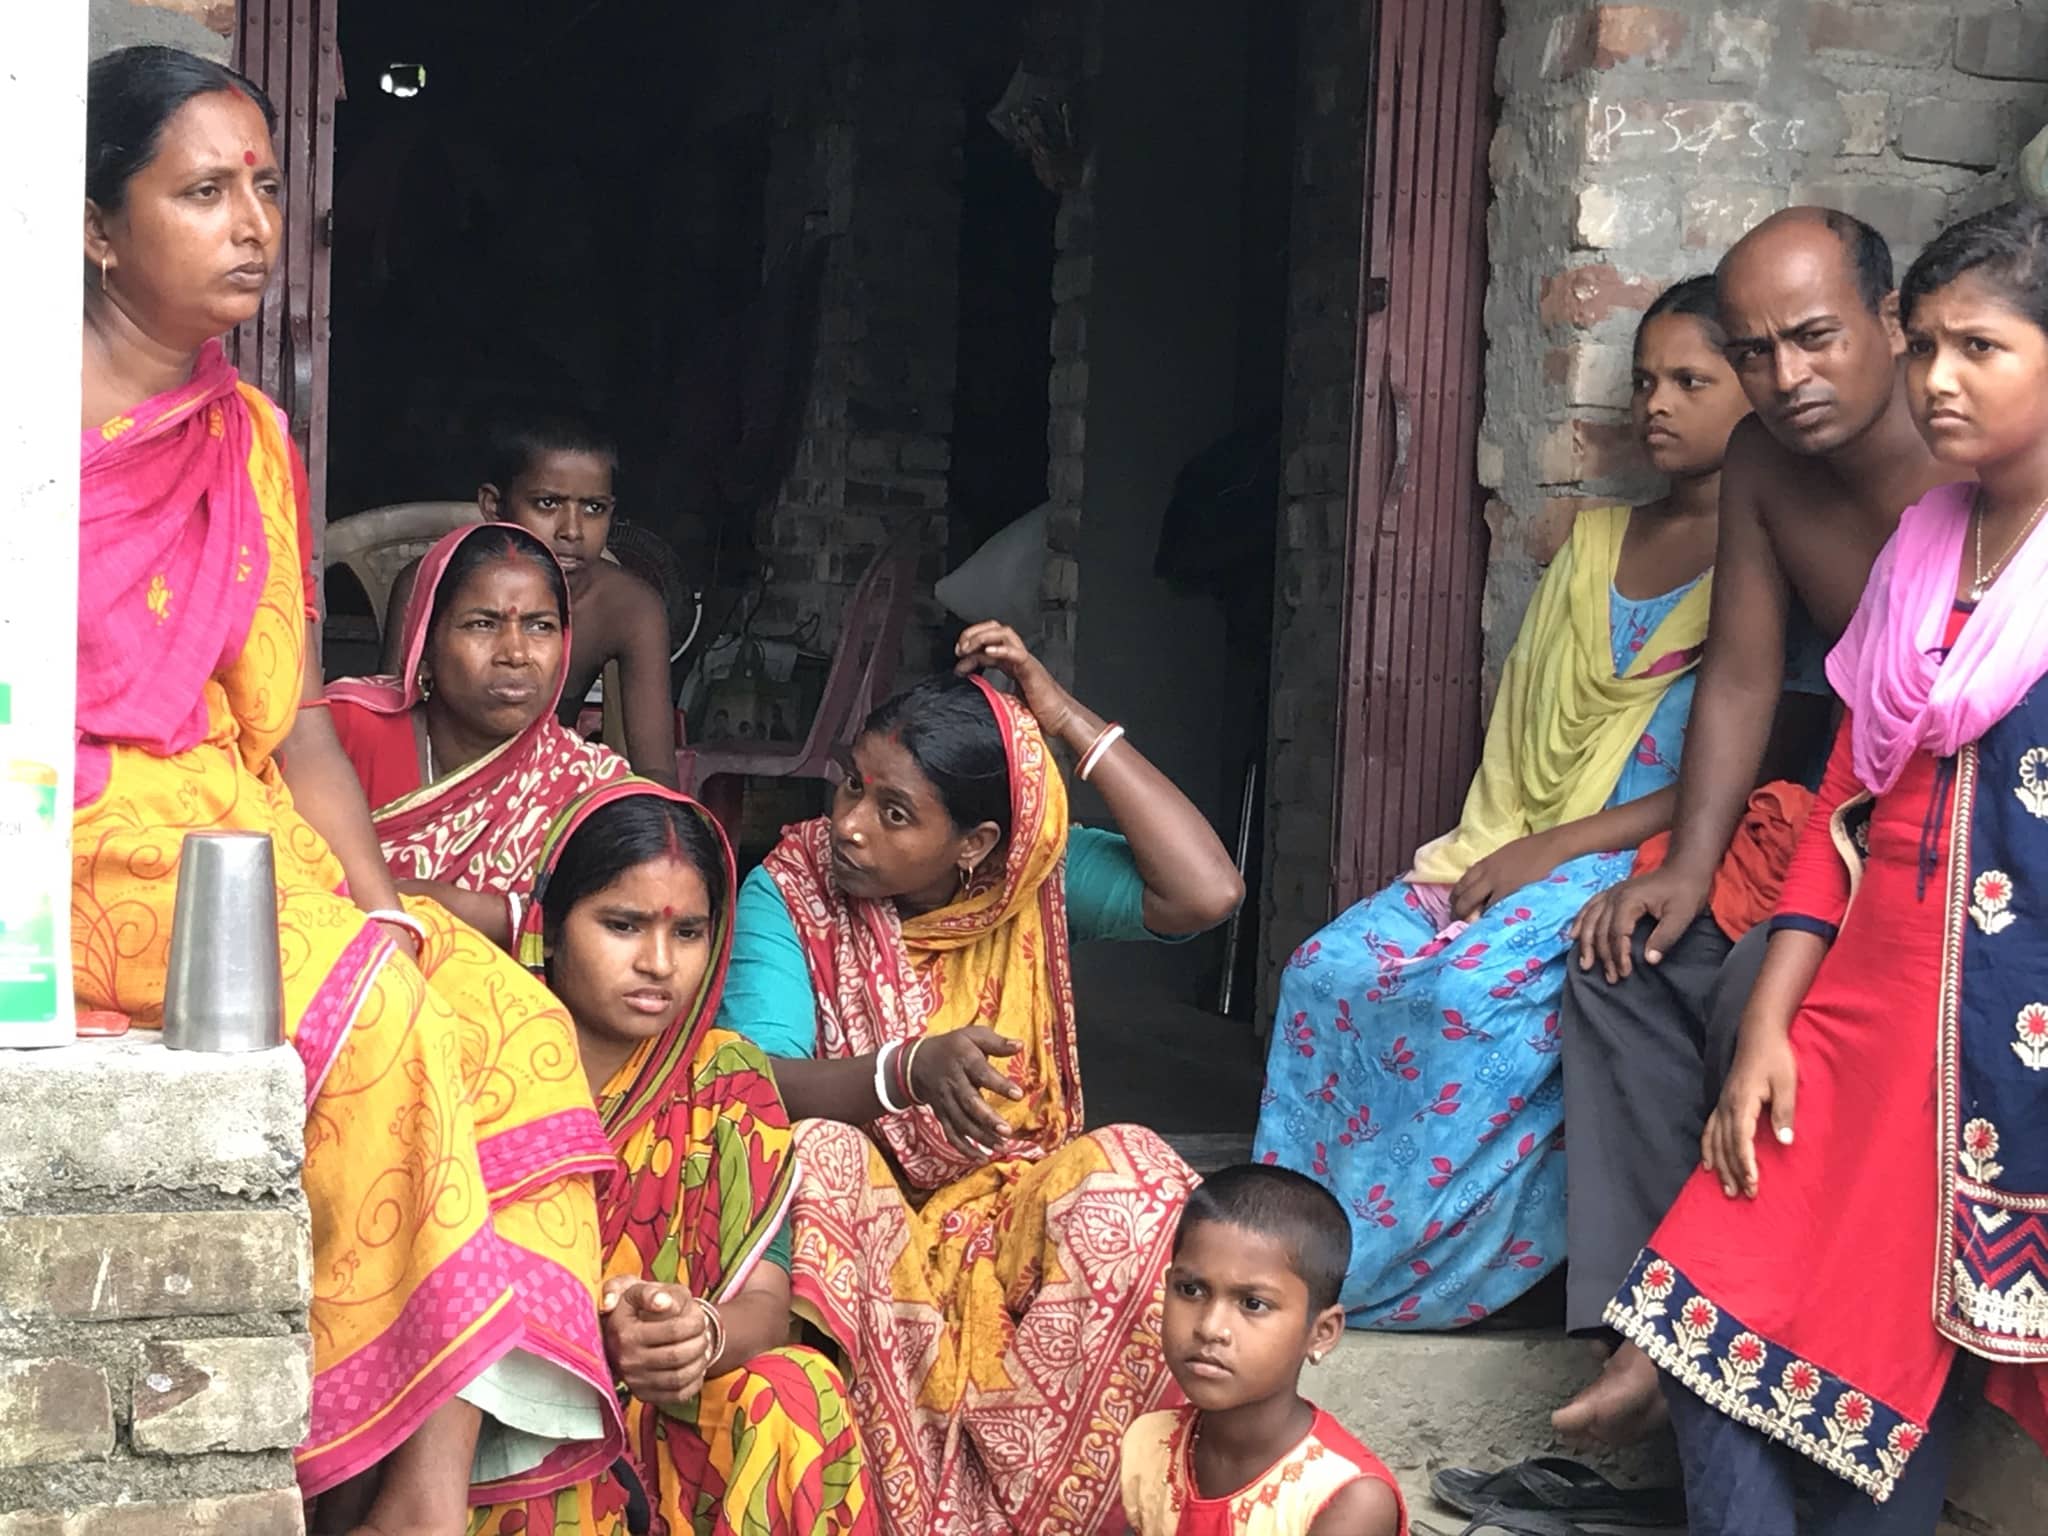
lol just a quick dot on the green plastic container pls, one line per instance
(32, 851)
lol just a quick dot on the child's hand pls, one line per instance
(1765, 1073)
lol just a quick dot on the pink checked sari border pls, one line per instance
(522, 1158)
(355, 1424)
(325, 1025)
(508, 1321)
(560, 1303)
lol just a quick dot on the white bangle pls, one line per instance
(394, 918)
(882, 1056)
(516, 910)
(715, 1326)
(1092, 758)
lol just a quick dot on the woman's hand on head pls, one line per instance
(656, 1338)
(991, 644)
(949, 1076)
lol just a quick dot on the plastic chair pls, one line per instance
(378, 544)
(863, 665)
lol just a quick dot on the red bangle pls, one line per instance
(899, 1075)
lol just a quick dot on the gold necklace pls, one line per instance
(1983, 579)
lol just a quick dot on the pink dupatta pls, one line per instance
(482, 827)
(171, 566)
(1904, 695)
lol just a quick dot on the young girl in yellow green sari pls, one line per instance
(728, 1433)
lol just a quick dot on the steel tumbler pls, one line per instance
(224, 991)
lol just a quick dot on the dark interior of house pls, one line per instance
(577, 205)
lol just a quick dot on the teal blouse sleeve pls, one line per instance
(768, 995)
(778, 1248)
(1105, 892)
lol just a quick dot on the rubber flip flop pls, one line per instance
(1556, 1485)
(1518, 1522)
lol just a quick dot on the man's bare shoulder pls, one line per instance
(622, 593)
(1769, 477)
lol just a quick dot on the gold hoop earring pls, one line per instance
(426, 687)
(103, 274)
(966, 881)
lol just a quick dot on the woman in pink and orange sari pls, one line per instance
(451, 1141)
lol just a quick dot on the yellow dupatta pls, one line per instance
(996, 957)
(1564, 725)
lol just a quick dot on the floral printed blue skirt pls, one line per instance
(1413, 1067)
(1414, 1071)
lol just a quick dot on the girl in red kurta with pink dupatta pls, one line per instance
(1876, 1175)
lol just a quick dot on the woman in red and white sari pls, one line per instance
(461, 755)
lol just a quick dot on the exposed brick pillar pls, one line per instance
(867, 148)
(1637, 142)
(155, 1369)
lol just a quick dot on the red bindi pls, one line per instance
(248, 157)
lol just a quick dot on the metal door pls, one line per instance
(1408, 724)
(288, 47)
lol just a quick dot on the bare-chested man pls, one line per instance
(1813, 486)
(552, 475)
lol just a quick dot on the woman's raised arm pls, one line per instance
(1191, 884)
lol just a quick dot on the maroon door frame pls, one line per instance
(288, 47)
(1408, 729)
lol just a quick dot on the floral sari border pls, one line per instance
(1761, 1383)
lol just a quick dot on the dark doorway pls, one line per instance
(553, 206)
(1000, 404)
(1194, 130)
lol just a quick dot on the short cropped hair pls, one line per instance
(1870, 257)
(1292, 1209)
(521, 436)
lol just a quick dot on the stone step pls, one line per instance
(1428, 1401)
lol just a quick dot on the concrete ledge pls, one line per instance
(125, 1125)
(155, 1270)
(273, 1513)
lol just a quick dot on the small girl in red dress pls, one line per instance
(1251, 1297)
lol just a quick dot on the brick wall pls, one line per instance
(1638, 142)
(1316, 446)
(867, 148)
(155, 1269)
